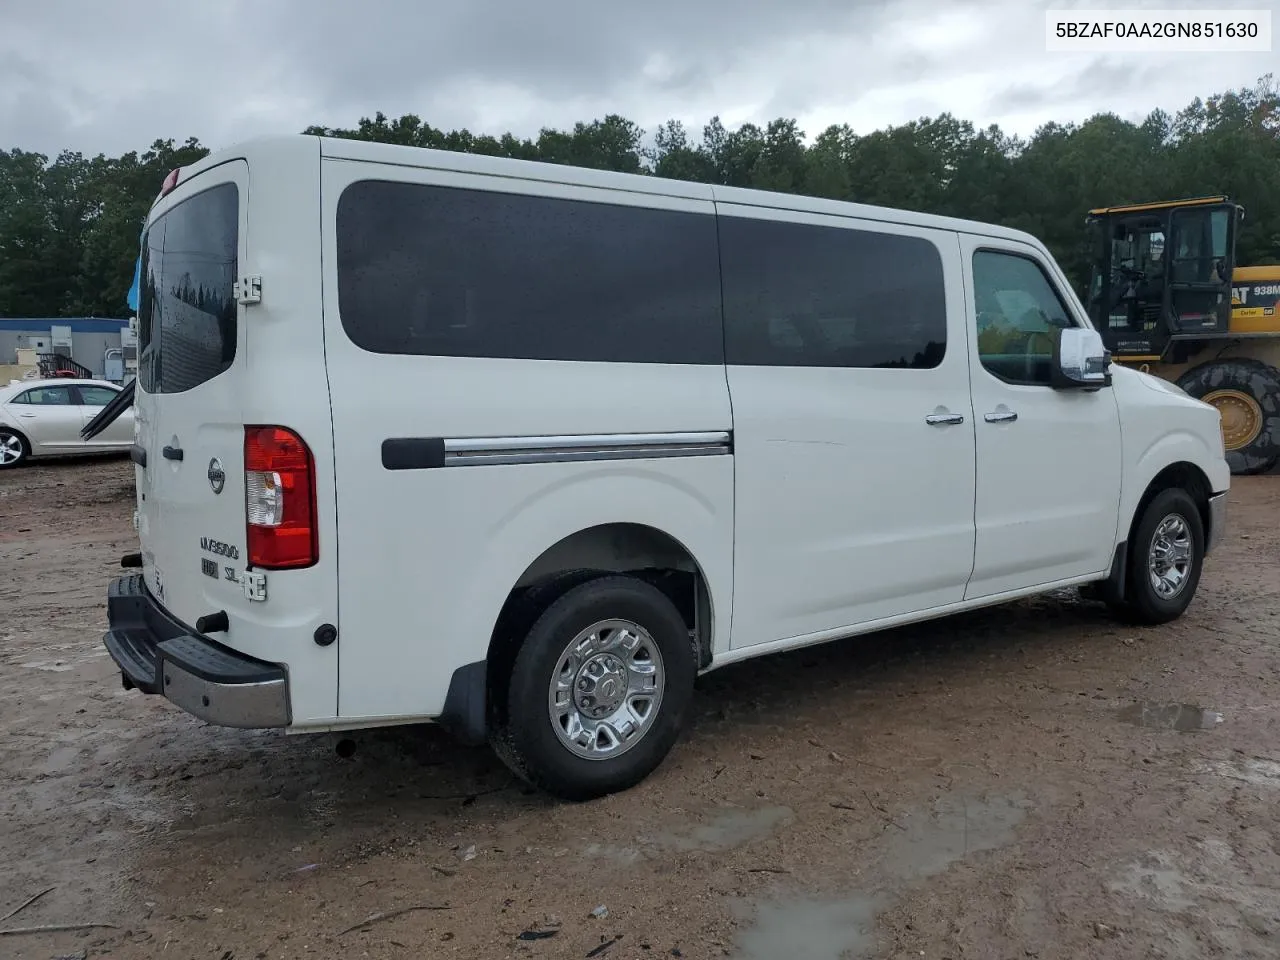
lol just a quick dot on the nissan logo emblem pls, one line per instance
(217, 478)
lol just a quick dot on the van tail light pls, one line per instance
(279, 499)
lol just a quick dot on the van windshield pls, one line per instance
(187, 303)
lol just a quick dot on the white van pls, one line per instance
(523, 448)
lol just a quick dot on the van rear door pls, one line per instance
(189, 407)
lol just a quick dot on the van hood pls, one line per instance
(1162, 386)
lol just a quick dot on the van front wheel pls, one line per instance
(599, 690)
(1168, 551)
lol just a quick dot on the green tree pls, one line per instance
(69, 226)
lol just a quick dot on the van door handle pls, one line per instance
(942, 419)
(172, 453)
(1004, 416)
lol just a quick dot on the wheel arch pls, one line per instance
(621, 547)
(1182, 475)
(646, 552)
(1179, 475)
(672, 521)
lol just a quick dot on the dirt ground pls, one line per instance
(1029, 781)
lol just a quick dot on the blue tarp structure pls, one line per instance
(133, 290)
(43, 326)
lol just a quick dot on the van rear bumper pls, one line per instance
(159, 654)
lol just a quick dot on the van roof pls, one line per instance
(427, 158)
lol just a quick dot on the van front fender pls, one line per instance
(1169, 450)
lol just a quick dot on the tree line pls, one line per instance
(69, 225)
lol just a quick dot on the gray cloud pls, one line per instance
(1099, 77)
(113, 77)
(561, 48)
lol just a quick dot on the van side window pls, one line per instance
(803, 295)
(444, 271)
(1018, 312)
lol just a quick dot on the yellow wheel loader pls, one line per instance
(1167, 296)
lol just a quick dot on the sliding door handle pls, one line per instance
(1004, 416)
(942, 419)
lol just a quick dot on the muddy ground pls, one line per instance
(990, 786)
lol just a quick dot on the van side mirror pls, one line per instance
(1081, 360)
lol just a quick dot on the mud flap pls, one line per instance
(465, 704)
(1111, 590)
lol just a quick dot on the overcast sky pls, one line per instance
(114, 75)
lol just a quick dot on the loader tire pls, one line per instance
(1247, 394)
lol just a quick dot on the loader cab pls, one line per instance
(1161, 273)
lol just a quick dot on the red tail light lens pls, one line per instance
(279, 499)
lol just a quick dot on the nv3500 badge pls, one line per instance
(218, 548)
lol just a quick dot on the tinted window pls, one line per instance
(1199, 244)
(1018, 315)
(187, 303)
(96, 396)
(815, 296)
(466, 273)
(46, 396)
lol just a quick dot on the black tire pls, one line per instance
(1142, 603)
(528, 742)
(517, 618)
(8, 440)
(1257, 380)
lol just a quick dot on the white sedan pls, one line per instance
(44, 418)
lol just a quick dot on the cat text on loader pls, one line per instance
(1167, 296)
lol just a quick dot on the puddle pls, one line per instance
(623, 856)
(1156, 879)
(54, 666)
(915, 845)
(60, 759)
(811, 930)
(1258, 771)
(73, 658)
(732, 828)
(956, 827)
(722, 830)
(1183, 717)
(100, 804)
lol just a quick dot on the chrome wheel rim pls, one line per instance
(10, 449)
(1169, 563)
(606, 689)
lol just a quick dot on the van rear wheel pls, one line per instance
(599, 691)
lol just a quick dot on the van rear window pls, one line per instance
(187, 302)
(451, 272)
